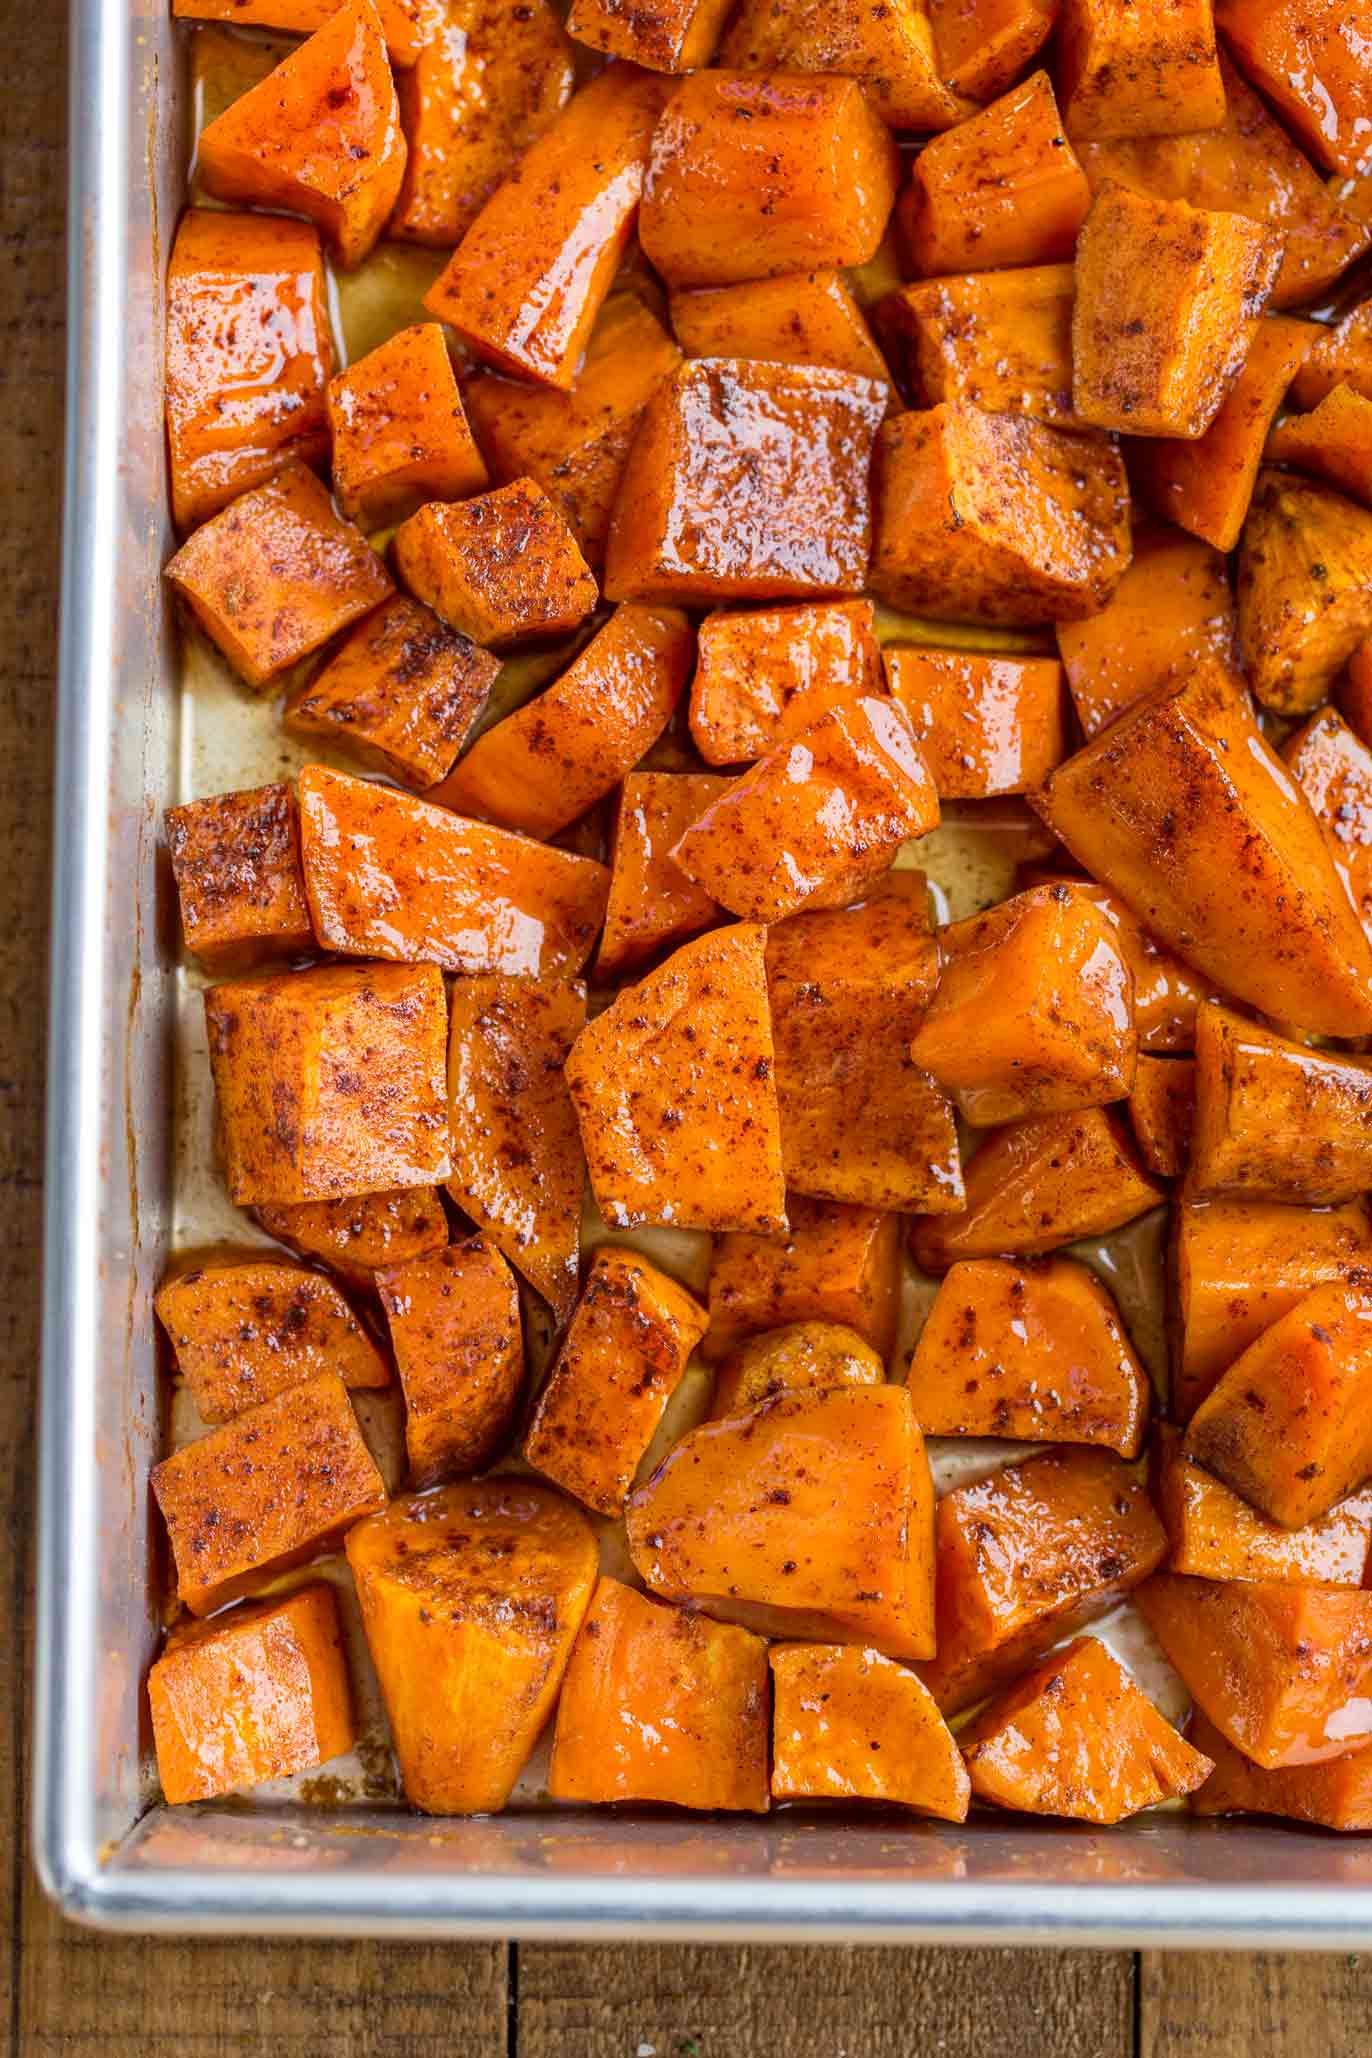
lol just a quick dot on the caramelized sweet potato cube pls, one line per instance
(653, 906)
(1275, 1119)
(756, 173)
(435, 887)
(746, 482)
(1034, 1013)
(357, 1235)
(517, 1164)
(833, 1264)
(799, 318)
(661, 1705)
(663, 35)
(816, 820)
(1215, 1534)
(1038, 1184)
(257, 1695)
(1162, 1109)
(1168, 299)
(1333, 768)
(1339, 354)
(1166, 992)
(982, 517)
(459, 1348)
(984, 45)
(1138, 71)
(275, 574)
(1036, 1352)
(500, 568)
(888, 49)
(408, 25)
(561, 752)
(674, 1093)
(1285, 1672)
(849, 1724)
(812, 1515)
(276, 1485)
(526, 282)
(1078, 1737)
(1003, 188)
(400, 436)
(622, 1359)
(1335, 1795)
(241, 1334)
(1173, 604)
(320, 137)
(330, 1081)
(1311, 62)
(792, 1359)
(1304, 590)
(236, 861)
(400, 693)
(1001, 341)
(471, 1599)
(763, 676)
(1334, 443)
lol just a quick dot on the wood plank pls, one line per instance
(1206, 2004)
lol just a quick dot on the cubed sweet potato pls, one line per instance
(1277, 1120)
(501, 568)
(561, 752)
(1036, 1352)
(357, 1235)
(984, 45)
(1166, 992)
(653, 906)
(459, 1348)
(661, 1705)
(1001, 341)
(236, 861)
(993, 518)
(1335, 1795)
(1310, 59)
(438, 888)
(798, 1356)
(816, 820)
(408, 25)
(400, 436)
(888, 49)
(798, 318)
(329, 1082)
(276, 1485)
(752, 174)
(320, 136)
(1138, 71)
(621, 1360)
(1162, 1109)
(833, 1264)
(1172, 605)
(663, 35)
(1215, 1534)
(1168, 299)
(849, 1724)
(1304, 590)
(260, 1694)
(746, 482)
(1078, 1737)
(243, 1333)
(1333, 768)
(276, 573)
(674, 1093)
(1340, 354)
(1334, 443)
(764, 675)
(1030, 1554)
(813, 1516)
(471, 1599)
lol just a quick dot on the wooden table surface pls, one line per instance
(68, 1991)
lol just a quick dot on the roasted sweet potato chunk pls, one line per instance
(1162, 1108)
(500, 568)
(621, 1361)
(816, 1508)
(236, 861)
(1001, 341)
(1003, 188)
(1275, 1119)
(889, 50)
(276, 1485)
(985, 725)
(673, 1089)
(1215, 1534)
(471, 1599)
(243, 1333)
(357, 1235)
(653, 906)
(982, 517)
(663, 35)
(1354, 693)
(459, 1347)
(1036, 1352)
(1078, 1737)
(660, 1705)
(400, 436)
(1340, 354)
(1172, 605)
(320, 137)
(984, 45)
(1333, 768)
(435, 887)
(1166, 992)
(1334, 443)
(329, 1082)
(791, 1359)
(1138, 71)
(763, 676)
(834, 1264)
(1304, 590)
(258, 1695)
(407, 25)
(1336, 1795)
(851, 1725)
(799, 318)
(1311, 62)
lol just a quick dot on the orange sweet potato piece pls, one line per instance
(408, 25)
(459, 1348)
(993, 518)
(816, 820)
(436, 887)
(757, 173)
(1173, 604)
(663, 35)
(257, 1695)
(526, 282)
(1304, 590)
(1162, 1109)
(1004, 188)
(984, 45)
(1001, 341)
(561, 752)
(1077, 1737)
(1275, 1119)
(1166, 992)
(653, 906)
(1334, 443)
(400, 693)
(661, 1705)
(1138, 71)
(1285, 1672)
(500, 568)
(276, 1485)
(1028, 1555)
(798, 1356)
(357, 1235)
(471, 1599)
(248, 355)
(833, 1264)
(1354, 693)
(1340, 354)
(1215, 1534)
(236, 861)
(889, 49)
(1311, 62)
(400, 436)
(329, 1082)
(851, 1725)
(243, 1333)
(816, 1508)
(517, 1164)
(763, 676)
(275, 574)
(320, 136)
(621, 1360)
(746, 482)
(1333, 768)
(1168, 299)
(798, 318)
(1038, 1184)
(1336, 1795)
(1036, 1352)
(673, 1090)
(848, 989)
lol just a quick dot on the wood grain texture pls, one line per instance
(1266, 2004)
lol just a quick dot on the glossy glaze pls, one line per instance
(1340, 354)
(358, 1234)
(1334, 443)
(1166, 992)
(243, 1333)
(1336, 1795)
(400, 436)
(236, 861)
(1311, 61)
(1003, 187)
(455, 1328)
(834, 1264)
(1173, 604)
(765, 674)
(1333, 768)
(999, 339)
(653, 906)
(849, 1724)
(984, 725)
(499, 568)
(1215, 1534)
